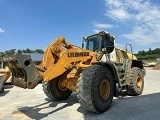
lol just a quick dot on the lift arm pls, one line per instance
(59, 57)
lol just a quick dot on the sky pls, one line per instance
(35, 24)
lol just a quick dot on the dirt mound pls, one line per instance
(157, 67)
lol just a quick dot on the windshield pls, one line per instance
(93, 43)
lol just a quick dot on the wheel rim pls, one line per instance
(139, 82)
(61, 85)
(105, 89)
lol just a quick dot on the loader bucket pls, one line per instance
(24, 72)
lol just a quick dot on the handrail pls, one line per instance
(130, 47)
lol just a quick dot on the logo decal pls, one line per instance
(78, 54)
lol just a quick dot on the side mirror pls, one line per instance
(109, 43)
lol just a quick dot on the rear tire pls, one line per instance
(136, 82)
(2, 90)
(95, 88)
(52, 90)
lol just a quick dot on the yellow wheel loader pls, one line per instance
(5, 74)
(93, 71)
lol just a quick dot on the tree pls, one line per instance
(150, 51)
(143, 52)
(39, 51)
(139, 53)
(19, 51)
(12, 51)
(28, 51)
(2, 54)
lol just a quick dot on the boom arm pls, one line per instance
(59, 57)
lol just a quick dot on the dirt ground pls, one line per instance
(23, 104)
(157, 67)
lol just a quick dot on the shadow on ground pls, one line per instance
(6, 89)
(34, 112)
(4, 93)
(136, 108)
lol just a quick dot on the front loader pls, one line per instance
(92, 71)
(5, 74)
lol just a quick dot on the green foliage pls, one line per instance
(149, 55)
(39, 51)
(14, 51)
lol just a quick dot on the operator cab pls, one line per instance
(102, 42)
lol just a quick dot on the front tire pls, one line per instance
(95, 88)
(52, 90)
(2, 90)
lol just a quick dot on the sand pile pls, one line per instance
(157, 67)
